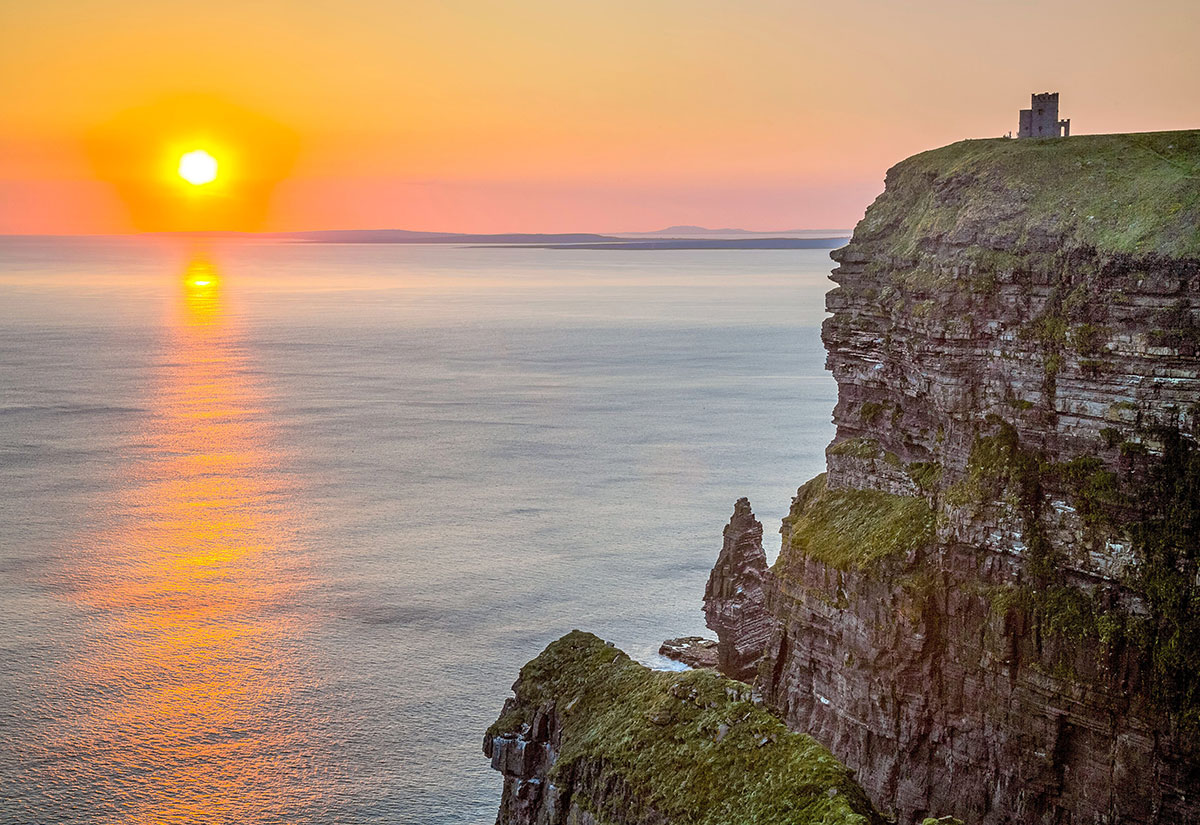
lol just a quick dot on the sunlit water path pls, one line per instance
(281, 522)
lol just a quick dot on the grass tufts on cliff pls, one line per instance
(1129, 193)
(857, 528)
(636, 745)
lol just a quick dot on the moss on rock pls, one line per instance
(683, 747)
(861, 447)
(857, 528)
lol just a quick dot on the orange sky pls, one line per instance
(553, 115)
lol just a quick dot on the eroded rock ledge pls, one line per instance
(590, 737)
(693, 651)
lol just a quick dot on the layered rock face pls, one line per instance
(735, 601)
(590, 737)
(988, 606)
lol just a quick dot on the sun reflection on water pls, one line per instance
(198, 675)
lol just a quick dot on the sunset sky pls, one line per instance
(545, 115)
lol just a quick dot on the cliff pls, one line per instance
(988, 605)
(590, 737)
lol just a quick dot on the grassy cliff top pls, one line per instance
(689, 747)
(1132, 193)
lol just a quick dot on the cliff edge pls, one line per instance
(988, 605)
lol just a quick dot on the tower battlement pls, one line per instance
(1040, 120)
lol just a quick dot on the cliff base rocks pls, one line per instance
(693, 651)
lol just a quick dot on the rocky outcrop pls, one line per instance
(590, 737)
(988, 606)
(693, 651)
(734, 600)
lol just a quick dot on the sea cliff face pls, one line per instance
(988, 605)
(591, 737)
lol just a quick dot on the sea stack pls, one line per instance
(735, 599)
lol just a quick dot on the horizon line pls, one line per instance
(289, 232)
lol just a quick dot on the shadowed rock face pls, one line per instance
(734, 600)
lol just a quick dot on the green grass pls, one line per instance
(857, 528)
(682, 747)
(926, 475)
(856, 448)
(1130, 193)
(1096, 490)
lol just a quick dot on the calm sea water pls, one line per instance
(280, 523)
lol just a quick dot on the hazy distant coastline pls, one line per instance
(673, 237)
(700, 231)
(689, 243)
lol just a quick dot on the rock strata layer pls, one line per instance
(989, 605)
(735, 601)
(590, 737)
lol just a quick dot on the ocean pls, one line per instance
(282, 521)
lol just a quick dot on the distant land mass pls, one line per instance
(673, 237)
(692, 231)
(409, 236)
(699, 243)
(667, 239)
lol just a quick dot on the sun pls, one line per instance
(198, 167)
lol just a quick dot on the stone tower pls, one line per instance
(1041, 119)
